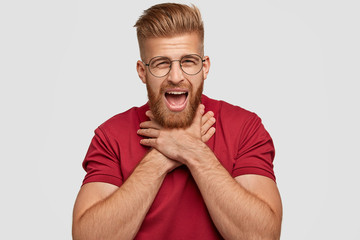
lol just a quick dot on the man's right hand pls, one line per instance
(105, 211)
(207, 131)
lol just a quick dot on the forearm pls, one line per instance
(120, 215)
(237, 213)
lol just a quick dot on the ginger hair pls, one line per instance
(169, 20)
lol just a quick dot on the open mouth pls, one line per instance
(176, 100)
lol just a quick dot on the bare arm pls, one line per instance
(248, 207)
(104, 211)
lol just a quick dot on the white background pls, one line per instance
(67, 66)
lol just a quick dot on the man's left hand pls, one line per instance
(178, 144)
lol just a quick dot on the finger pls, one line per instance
(202, 109)
(206, 116)
(199, 112)
(207, 125)
(207, 121)
(208, 135)
(150, 124)
(150, 114)
(149, 142)
(148, 132)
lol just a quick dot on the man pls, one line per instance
(161, 171)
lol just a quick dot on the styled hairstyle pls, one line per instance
(169, 20)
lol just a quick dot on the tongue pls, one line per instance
(176, 99)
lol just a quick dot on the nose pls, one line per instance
(176, 75)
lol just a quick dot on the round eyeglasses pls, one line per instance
(190, 64)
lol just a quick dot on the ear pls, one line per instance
(206, 66)
(141, 69)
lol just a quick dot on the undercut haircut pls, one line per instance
(169, 20)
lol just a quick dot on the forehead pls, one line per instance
(172, 47)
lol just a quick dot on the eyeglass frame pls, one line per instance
(176, 60)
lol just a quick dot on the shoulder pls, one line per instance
(125, 121)
(228, 112)
(234, 121)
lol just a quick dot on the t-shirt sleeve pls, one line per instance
(101, 162)
(256, 150)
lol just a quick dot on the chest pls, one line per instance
(222, 143)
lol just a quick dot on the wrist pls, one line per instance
(159, 162)
(197, 155)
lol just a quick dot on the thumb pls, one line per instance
(150, 115)
(199, 113)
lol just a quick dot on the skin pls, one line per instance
(247, 207)
(174, 48)
(105, 211)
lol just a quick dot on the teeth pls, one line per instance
(176, 93)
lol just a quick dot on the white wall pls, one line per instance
(67, 66)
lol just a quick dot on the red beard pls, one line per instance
(167, 118)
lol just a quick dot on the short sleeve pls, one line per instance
(101, 162)
(256, 151)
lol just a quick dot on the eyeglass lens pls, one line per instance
(190, 64)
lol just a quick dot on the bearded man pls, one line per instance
(160, 171)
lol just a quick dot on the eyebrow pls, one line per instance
(180, 56)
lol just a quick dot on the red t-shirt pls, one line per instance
(240, 143)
